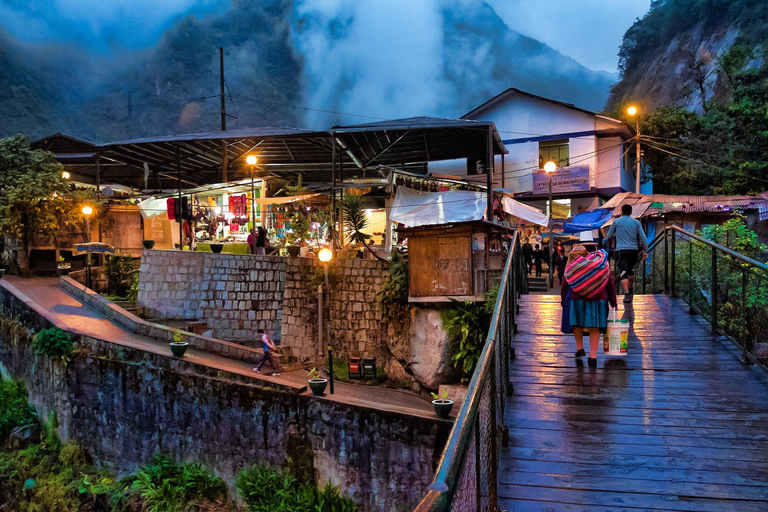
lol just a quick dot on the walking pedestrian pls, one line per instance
(560, 262)
(589, 281)
(538, 257)
(629, 241)
(528, 256)
(269, 354)
(261, 241)
(251, 240)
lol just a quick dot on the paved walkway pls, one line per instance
(77, 317)
(677, 424)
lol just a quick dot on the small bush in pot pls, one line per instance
(178, 345)
(316, 383)
(148, 244)
(443, 406)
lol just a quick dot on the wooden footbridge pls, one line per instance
(680, 423)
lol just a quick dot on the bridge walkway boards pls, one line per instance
(677, 424)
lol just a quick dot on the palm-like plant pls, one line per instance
(355, 221)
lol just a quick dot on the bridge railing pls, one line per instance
(729, 289)
(466, 474)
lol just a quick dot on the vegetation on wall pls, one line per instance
(393, 296)
(119, 272)
(53, 342)
(265, 489)
(467, 324)
(14, 409)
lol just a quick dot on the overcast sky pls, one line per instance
(590, 31)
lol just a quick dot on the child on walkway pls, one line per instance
(269, 354)
(590, 283)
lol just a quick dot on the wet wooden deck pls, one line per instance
(678, 424)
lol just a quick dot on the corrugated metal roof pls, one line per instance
(686, 204)
(413, 122)
(247, 133)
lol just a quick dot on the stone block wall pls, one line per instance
(234, 294)
(123, 405)
(238, 294)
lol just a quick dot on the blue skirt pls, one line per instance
(589, 313)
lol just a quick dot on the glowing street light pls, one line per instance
(633, 111)
(65, 175)
(251, 160)
(87, 210)
(550, 167)
(325, 255)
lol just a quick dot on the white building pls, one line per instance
(594, 159)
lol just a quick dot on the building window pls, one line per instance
(555, 151)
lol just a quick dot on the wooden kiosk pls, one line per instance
(454, 261)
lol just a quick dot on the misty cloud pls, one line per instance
(380, 58)
(100, 25)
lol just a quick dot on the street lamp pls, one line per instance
(65, 175)
(632, 111)
(251, 160)
(325, 256)
(87, 211)
(550, 167)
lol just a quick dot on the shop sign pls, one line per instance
(564, 179)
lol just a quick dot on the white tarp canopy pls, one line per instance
(152, 207)
(414, 208)
(525, 212)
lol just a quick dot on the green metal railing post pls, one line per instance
(690, 276)
(743, 340)
(674, 259)
(666, 264)
(713, 290)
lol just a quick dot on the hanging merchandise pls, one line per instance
(171, 207)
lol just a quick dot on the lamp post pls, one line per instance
(632, 111)
(65, 175)
(87, 211)
(550, 167)
(251, 160)
(325, 256)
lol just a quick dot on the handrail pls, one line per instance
(440, 493)
(728, 289)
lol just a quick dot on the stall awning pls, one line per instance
(587, 221)
(524, 212)
(152, 207)
(285, 200)
(414, 208)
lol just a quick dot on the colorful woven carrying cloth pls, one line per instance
(587, 275)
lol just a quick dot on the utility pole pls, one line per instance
(223, 116)
(637, 184)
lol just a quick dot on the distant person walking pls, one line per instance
(629, 241)
(251, 240)
(261, 241)
(528, 256)
(560, 261)
(538, 258)
(269, 354)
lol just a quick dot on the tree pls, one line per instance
(32, 191)
(355, 221)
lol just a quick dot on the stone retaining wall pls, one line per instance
(123, 405)
(238, 294)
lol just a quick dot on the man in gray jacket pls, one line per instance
(629, 241)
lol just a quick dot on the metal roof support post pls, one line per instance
(503, 184)
(98, 190)
(489, 175)
(179, 219)
(333, 190)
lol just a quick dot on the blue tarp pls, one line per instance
(587, 221)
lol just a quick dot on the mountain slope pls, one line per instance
(287, 62)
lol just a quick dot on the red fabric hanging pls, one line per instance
(170, 204)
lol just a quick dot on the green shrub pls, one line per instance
(119, 271)
(393, 296)
(265, 489)
(53, 342)
(14, 409)
(169, 487)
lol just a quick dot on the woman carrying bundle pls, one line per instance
(589, 285)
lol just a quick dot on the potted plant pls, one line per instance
(316, 383)
(443, 406)
(63, 266)
(148, 244)
(178, 345)
(216, 248)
